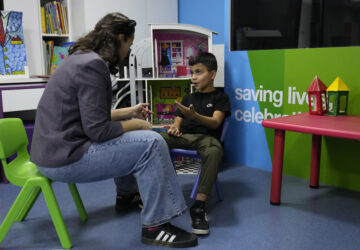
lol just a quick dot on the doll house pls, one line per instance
(172, 46)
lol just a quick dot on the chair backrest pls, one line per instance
(224, 130)
(13, 139)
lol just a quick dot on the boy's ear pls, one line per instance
(213, 74)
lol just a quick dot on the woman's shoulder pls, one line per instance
(86, 57)
(86, 61)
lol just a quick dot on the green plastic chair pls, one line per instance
(22, 172)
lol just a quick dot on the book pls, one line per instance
(43, 24)
(50, 50)
(60, 17)
(59, 54)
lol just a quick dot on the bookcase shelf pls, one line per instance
(54, 35)
(33, 32)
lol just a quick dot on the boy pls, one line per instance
(198, 126)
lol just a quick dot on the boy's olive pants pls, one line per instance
(210, 150)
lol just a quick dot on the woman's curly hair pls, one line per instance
(103, 39)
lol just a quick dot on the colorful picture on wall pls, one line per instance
(13, 63)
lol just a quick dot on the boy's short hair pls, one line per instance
(206, 58)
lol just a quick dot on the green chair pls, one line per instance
(22, 172)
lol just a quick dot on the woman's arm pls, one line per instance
(138, 111)
(135, 124)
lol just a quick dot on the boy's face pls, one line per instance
(202, 79)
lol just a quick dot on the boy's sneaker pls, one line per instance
(169, 236)
(199, 221)
(127, 202)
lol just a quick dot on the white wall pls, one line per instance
(143, 12)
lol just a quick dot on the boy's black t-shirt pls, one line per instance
(204, 104)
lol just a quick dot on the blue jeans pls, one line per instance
(137, 157)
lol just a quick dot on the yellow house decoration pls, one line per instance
(338, 94)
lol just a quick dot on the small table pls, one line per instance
(335, 126)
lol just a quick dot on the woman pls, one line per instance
(78, 138)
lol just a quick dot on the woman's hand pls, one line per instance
(141, 111)
(173, 130)
(135, 124)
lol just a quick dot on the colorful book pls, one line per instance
(60, 17)
(50, 49)
(59, 54)
(43, 24)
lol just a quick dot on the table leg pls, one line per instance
(278, 158)
(315, 161)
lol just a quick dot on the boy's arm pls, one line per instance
(174, 129)
(210, 122)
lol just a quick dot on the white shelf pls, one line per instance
(22, 80)
(55, 35)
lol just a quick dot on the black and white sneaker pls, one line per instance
(199, 221)
(169, 236)
(127, 202)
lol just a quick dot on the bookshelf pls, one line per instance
(36, 39)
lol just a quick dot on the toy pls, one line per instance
(338, 94)
(317, 97)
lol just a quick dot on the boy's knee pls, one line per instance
(214, 152)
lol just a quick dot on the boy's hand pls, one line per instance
(189, 112)
(173, 130)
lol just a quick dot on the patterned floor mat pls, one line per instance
(186, 167)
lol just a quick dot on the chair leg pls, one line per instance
(194, 190)
(29, 203)
(14, 210)
(78, 202)
(56, 214)
(218, 192)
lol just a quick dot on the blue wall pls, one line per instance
(205, 13)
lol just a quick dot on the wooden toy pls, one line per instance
(317, 97)
(338, 94)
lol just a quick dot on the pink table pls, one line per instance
(335, 126)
